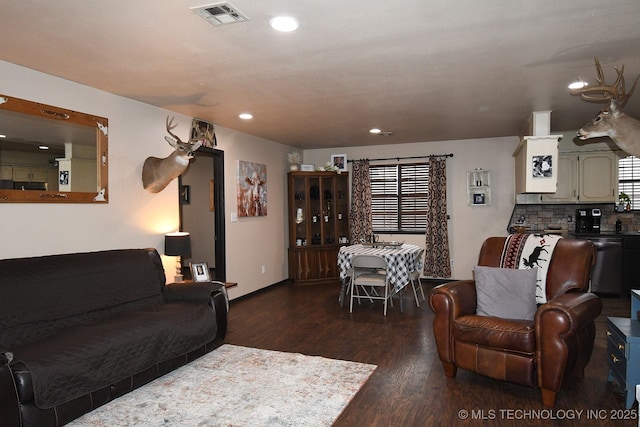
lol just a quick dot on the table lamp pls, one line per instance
(178, 244)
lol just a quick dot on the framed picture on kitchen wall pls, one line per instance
(542, 166)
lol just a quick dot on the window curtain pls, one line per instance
(360, 217)
(437, 262)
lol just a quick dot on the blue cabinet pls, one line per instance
(623, 349)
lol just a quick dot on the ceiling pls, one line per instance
(424, 70)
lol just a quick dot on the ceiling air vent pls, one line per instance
(220, 13)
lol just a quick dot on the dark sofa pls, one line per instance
(79, 330)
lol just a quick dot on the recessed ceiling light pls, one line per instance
(43, 147)
(3, 136)
(578, 85)
(285, 24)
(246, 116)
(375, 130)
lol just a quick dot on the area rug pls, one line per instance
(240, 386)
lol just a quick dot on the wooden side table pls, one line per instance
(226, 284)
(635, 304)
(623, 349)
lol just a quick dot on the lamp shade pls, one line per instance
(177, 244)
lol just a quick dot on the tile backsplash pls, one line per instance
(540, 217)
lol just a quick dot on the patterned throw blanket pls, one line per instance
(529, 251)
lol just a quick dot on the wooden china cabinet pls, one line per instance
(318, 225)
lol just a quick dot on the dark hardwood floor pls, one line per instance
(409, 387)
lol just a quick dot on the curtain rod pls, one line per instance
(403, 158)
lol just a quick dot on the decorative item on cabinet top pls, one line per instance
(294, 159)
(339, 162)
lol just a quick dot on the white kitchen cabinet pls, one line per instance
(6, 172)
(27, 174)
(567, 188)
(586, 177)
(598, 177)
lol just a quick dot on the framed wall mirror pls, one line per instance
(51, 155)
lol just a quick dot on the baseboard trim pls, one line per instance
(258, 291)
(433, 282)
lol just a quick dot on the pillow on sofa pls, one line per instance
(509, 293)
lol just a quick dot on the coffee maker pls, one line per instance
(588, 220)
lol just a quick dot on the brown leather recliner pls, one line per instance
(546, 352)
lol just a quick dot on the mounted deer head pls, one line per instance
(623, 130)
(158, 173)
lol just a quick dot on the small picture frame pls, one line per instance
(307, 167)
(478, 199)
(64, 178)
(200, 272)
(204, 132)
(185, 194)
(339, 161)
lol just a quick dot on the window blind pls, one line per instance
(399, 197)
(629, 178)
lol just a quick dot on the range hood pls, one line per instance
(536, 159)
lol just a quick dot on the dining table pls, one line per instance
(402, 259)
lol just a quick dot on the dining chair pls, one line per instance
(369, 272)
(414, 278)
(345, 287)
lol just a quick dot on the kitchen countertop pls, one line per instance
(604, 234)
(574, 235)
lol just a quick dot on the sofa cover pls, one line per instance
(78, 330)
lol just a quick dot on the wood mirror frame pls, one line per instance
(57, 118)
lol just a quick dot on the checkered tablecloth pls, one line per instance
(401, 261)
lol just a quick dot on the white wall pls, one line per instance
(255, 241)
(135, 218)
(469, 226)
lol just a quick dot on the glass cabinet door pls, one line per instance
(300, 237)
(319, 209)
(328, 211)
(342, 211)
(315, 211)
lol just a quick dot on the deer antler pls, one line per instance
(170, 127)
(602, 92)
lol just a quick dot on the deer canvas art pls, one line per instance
(158, 173)
(623, 130)
(252, 189)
